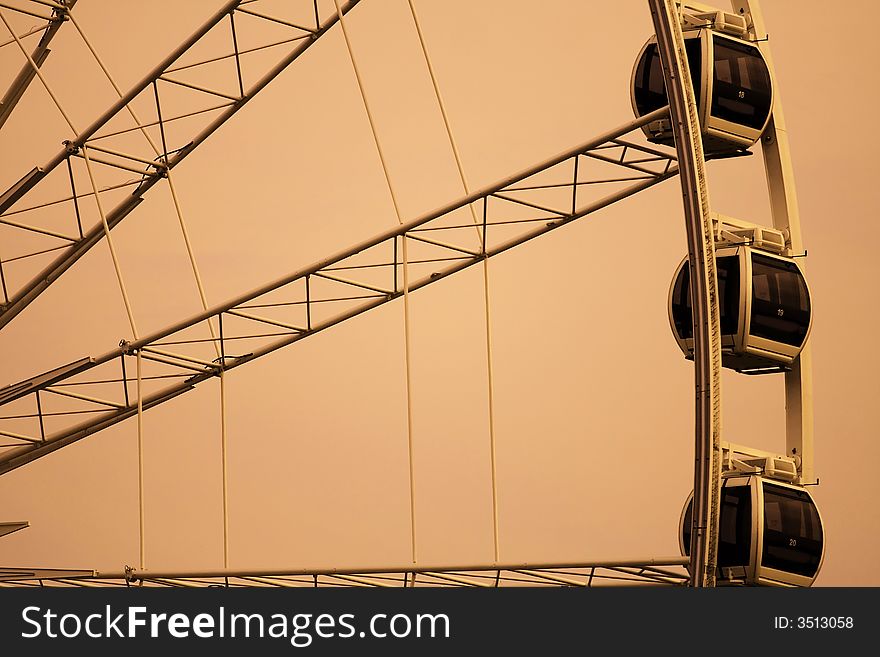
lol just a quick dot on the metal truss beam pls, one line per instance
(40, 53)
(512, 212)
(150, 167)
(656, 572)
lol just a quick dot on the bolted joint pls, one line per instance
(60, 14)
(161, 165)
(71, 147)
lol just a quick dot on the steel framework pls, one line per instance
(786, 217)
(656, 572)
(513, 211)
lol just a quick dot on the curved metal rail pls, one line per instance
(449, 256)
(704, 291)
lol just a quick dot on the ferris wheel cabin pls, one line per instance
(770, 533)
(732, 84)
(764, 303)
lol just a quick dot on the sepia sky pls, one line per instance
(593, 399)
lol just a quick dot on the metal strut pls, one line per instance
(40, 53)
(786, 217)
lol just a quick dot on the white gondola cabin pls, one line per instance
(764, 304)
(770, 533)
(732, 86)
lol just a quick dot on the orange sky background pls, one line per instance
(594, 402)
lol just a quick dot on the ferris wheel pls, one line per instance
(701, 89)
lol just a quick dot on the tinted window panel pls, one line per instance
(735, 530)
(649, 90)
(728, 294)
(649, 87)
(694, 51)
(741, 84)
(780, 301)
(792, 531)
(686, 527)
(681, 303)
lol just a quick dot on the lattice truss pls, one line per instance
(64, 405)
(667, 572)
